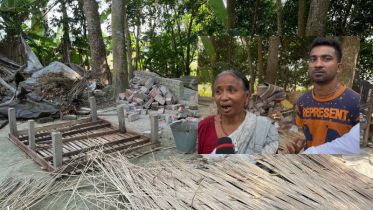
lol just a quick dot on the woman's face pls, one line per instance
(229, 96)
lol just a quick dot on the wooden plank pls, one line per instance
(92, 147)
(31, 135)
(57, 149)
(92, 103)
(48, 138)
(114, 126)
(55, 126)
(154, 129)
(12, 122)
(32, 154)
(121, 119)
(40, 134)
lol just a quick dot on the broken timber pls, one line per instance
(77, 140)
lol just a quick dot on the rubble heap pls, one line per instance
(145, 95)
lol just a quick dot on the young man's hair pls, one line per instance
(323, 41)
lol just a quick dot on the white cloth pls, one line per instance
(256, 135)
(346, 144)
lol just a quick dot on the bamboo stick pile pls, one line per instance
(293, 182)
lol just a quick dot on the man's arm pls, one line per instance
(346, 144)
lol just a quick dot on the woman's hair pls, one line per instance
(242, 80)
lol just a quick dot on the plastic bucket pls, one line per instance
(185, 136)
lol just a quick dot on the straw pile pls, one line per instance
(293, 182)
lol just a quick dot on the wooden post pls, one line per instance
(92, 102)
(31, 135)
(57, 149)
(294, 115)
(154, 128)
(12, 122)
(121, 119)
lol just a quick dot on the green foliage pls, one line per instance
(205, 90)
(220, 11)
(267, 16)
(105, 14)
(209, 48)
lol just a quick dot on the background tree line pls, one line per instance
(155, 35)
(278, 60)
(303, 18)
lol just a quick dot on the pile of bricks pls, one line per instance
(140, 98)
(259, 107)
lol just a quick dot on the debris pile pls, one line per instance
(148, 95)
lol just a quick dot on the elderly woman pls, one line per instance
(250, 134)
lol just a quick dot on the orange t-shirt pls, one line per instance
(324, 120)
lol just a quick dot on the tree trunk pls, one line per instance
(230, 51)
(213, 64)
(282, 61)
(316, 24)
(272, 63)
(96, 42)
(231, 10)
(302, 17)
(286, 79)
(350, 50)
(260, 60)
(138, 36)
(280, 22)
(252, 77)
(129, 43)
(120, 75)
(255, 19)
(187, 62)
(181, 42)
(65, 40)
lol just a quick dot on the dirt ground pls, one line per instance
(15, 162)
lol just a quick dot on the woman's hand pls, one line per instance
(293, 148)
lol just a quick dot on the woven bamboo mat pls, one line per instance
(295, 182)
(275, 182)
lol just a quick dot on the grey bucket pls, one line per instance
(185, 136)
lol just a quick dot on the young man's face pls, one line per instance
(323, 65)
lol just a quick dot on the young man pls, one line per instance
(330, 109)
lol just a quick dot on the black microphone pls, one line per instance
(224, 146)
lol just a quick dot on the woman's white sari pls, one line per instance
(255, 135)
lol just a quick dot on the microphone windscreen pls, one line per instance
(224, 146)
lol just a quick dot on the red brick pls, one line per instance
(160, 99)
(144, 90)
(161, 111)
(122, 96)
(169, 100)
(192, 119)
(153, 93)
(149, 103)
(132, 107)
(129, 92)
(174, 107)
(139, 101)
(155, 104)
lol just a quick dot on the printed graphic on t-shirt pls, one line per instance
(324, 120)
